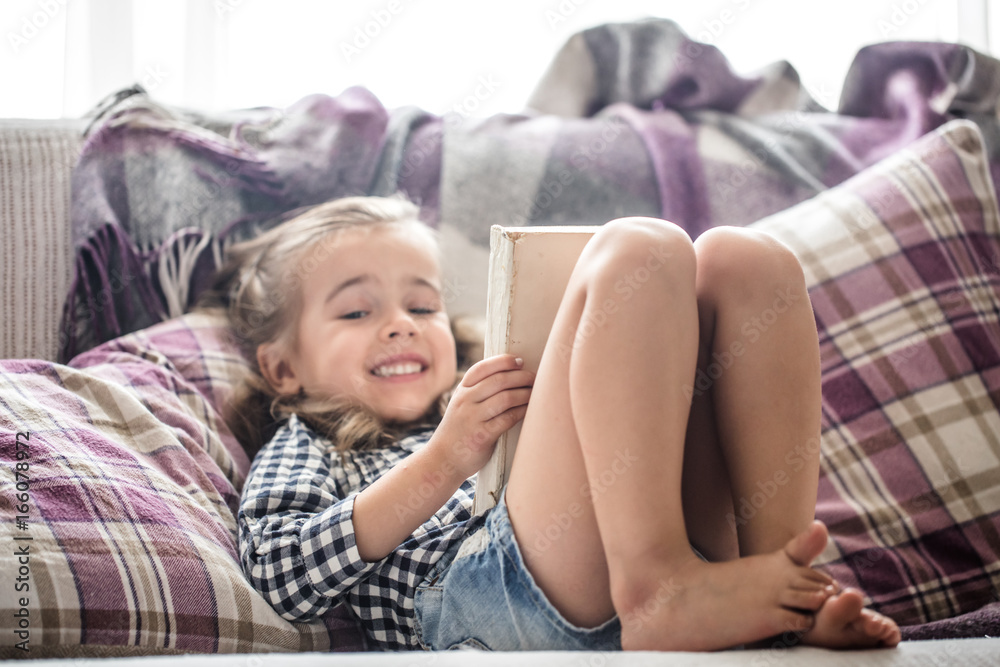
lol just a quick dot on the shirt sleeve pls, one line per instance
(297, 543)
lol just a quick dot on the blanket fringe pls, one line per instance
(178, 260)
(107, 266)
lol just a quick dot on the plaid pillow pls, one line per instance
(902, 267)
(130, 514)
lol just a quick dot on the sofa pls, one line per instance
(122, 478)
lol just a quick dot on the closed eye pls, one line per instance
(358, 314)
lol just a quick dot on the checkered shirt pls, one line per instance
(297, 543)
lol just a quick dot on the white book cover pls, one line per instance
(529, 269)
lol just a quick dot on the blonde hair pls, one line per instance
(259, 289)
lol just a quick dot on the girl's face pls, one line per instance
(373, 327)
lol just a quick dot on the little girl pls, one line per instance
(679, 380)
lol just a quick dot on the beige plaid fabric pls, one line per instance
(902, 267)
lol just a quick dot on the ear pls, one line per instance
(277, 368)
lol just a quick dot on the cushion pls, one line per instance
(132, 484)
(903, 267)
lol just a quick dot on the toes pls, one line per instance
(817, 577)
(843, 608)
(894, 636)
(792, 621)
(807, 545)
(843, 622)
(852, 599)
(808, 586)
(880, 627)
(799, 599)
(873, 623)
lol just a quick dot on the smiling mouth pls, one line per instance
(396, 370)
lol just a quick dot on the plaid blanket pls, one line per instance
(664, 128)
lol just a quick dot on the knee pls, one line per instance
(636, 250)
(735, 259)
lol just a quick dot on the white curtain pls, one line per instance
(172, 48)
(63, 56)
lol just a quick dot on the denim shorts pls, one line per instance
(482, 596)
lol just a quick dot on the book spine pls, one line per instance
(490, 479)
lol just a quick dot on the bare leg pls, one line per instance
(552, 492)
(609, 413)
(759, 355)
(760, 380)
(707, 491)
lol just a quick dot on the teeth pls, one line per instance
(398, 369)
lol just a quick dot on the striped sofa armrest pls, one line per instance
(36, 254)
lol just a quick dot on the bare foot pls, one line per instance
(842, 622)
(698, 606)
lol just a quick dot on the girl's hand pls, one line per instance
(490, 399)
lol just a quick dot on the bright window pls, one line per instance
(61, 56)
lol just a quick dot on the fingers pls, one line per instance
(483, 369)
(499, 404)
(504, 368)
(502, 411)
(508, 418)
(499, 424)
(493, 393)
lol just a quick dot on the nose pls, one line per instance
(400, 324)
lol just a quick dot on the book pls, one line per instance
(529, 268)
